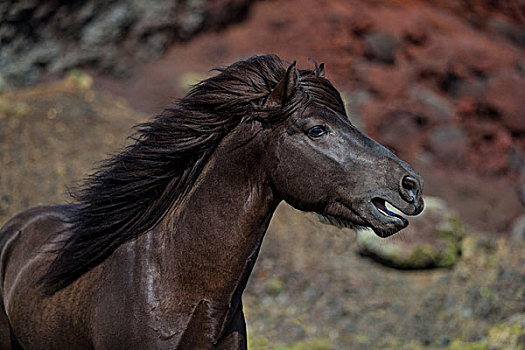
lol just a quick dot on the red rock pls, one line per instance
(506, 92)
(381, 46)
(386, 80)
(450, 144)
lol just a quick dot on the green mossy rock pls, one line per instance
(433, 239)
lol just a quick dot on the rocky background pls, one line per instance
(442, 83)
(52, 36)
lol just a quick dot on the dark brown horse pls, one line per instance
(158, 249)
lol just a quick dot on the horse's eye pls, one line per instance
(317, 131)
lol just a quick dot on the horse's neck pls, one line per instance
(206, 248)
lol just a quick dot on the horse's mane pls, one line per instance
(132, 191)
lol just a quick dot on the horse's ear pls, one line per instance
(284, 89)
(320, 71)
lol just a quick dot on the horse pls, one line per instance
(156, 248)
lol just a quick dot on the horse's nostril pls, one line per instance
(410, 188)
(409, 183)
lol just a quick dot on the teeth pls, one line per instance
(381, 207)
(382, 211)
(388, 210)
(392, 209)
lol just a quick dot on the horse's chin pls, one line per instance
(385, 232)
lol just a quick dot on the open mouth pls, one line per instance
(378, 217)
(380, 205)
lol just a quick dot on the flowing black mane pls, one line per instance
(134, 190)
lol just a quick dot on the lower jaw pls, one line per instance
(346, 223)
(389, 231)
(336, 221)
(340, 213)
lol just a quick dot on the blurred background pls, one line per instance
(440, 82)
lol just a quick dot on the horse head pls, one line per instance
(318, 161)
